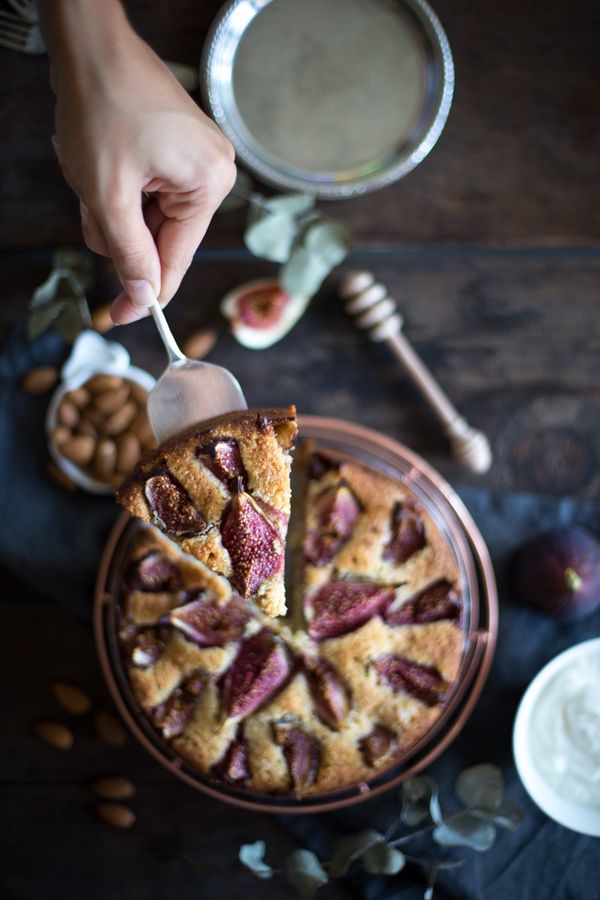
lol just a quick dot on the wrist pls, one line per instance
(82, 35)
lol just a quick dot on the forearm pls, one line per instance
(80, 33)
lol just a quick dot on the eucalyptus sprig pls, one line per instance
(485, 808)
(61, 300)
(289, 230)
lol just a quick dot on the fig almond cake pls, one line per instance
(360, 668)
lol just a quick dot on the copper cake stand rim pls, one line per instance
(470, 687)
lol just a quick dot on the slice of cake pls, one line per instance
(221, 490)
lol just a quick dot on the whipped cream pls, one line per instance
(564, 732)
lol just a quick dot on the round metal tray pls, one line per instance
(333, 99)
(481, 622)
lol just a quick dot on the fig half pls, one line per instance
(558, 573)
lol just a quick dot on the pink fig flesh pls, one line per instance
(172, 506)
(301, 751)
(175, 714)
(337, 510)
(223, 458)
(422, 682)
(262, 307)
(380, 743)
(328, 692)
(342, 606)
(209, 623)
(435, 602)
(253, 543)
(258, 671)
(408, 534)
(154, 572)
(234, 767)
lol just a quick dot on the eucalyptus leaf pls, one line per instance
(305, 872)
(328, 241)
(69, 322)
(481, 787)
(381, 859)
(304, 273)
(251, 856)
(271, 236)
(508, 815)
(347, 849)
(465, 829)
(290, 204)
(77, 263)
(435, 810)
(40, 319)
(416, 794)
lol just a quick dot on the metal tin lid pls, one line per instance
(335, 98)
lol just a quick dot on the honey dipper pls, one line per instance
(376, 313)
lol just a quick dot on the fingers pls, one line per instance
(131, 246)
(177, 241)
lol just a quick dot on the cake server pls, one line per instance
(188, 391)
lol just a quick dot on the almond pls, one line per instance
(103, 382)
(121, 419)
(67, 413)
(79, 449)
(55, 734)
(138, 393)
(72, 698)
(200, 343)
(114, 787)
(59, 477)
(61, 434)
(105, 459)
(143, 430)
(108, 402)
(86, 426)
(80, 397)
(128, 453)
(116, 815)
(40, 380)
(101, 319)
(109, 728)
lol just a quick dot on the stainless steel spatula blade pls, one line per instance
(188, 391)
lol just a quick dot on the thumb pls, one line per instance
(135, 257)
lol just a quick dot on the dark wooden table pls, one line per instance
(491, 248)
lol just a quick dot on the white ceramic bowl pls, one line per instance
(573, 815)
(91, 355)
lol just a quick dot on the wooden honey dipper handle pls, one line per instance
(376, 313)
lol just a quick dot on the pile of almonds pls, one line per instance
(109, 788)
(103, 428)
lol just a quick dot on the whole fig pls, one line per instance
(558, 573)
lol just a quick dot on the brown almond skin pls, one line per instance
(40, 380)
(55, 734)
(61, 434)
(109, 729)
(121, 419)
(116, 815)
(105, 459)
(114, 787)
(86, 426)
(79, 449)
(80, 397)
(138, 393)
(108, 402)
(101, 320)
(103, 382)
(200, 343)
(142, 429)
(60, 478)
(67, 413)
(71, 698)
(128, 453)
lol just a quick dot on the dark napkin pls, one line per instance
(53, 540)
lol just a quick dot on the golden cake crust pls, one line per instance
(374, 701)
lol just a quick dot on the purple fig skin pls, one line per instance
(558, 573)
(154, 572)
(435, 602)
(148, 646)
(302, 753)
(422, 682)
(258, 671)
(378, 744)
(337, 511)
(342, 606)
(234, 767)
(328, 692)
(408, 534)
(175, 714)
(208, 623)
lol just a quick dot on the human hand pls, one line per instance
(149, 167)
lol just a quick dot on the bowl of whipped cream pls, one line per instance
(556, 738)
